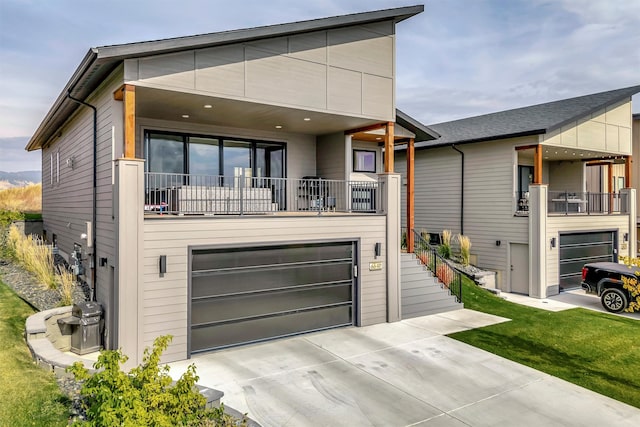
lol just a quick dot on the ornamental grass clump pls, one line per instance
(445, 247)
(66, 284)
(32, 253)
(465, 248)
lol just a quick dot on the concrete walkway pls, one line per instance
(398, 374)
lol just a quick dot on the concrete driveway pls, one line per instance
(398, 374)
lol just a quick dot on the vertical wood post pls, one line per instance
(129, 97)
(537, 165)
(610, 184)
(410, 194)
(627, 171)
(388, 148)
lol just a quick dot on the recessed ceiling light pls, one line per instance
(546, 157)
(278, 126)
(581, 155)
(378, 138)
(185, 116)
(306, 119)
(208, 106)
(573, 154)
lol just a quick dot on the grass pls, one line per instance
(22, 199)
(29, 395)
(598, 351)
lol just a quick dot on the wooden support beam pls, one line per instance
(388, 148)
(118, 94)
(537, 165)
(410, 195)
(375, 126)
(129, 97)
(627, 171)
(526, 147)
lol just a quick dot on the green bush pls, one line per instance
(145, 396)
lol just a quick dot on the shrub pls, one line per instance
(632, 285)
(403, 240)
(465, 248)
(444, 273)
(33, 255)
(145, 395)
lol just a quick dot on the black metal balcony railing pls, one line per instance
(569, 203)
(429, 257)
(184, 194)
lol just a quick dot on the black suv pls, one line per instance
(605, 280)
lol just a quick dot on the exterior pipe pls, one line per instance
(95, 188)
(461, 190)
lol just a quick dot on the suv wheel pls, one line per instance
(614, 300)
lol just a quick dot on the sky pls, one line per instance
(459, 58)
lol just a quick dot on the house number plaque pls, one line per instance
(375, 266)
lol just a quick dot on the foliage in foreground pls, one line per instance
(29, 395)
(632, 285)
(31, 252)
(598, 351)
(145, 396)
(444, 250)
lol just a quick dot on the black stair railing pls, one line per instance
(448, 276)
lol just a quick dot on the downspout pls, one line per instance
(95, 188)
(461, 190)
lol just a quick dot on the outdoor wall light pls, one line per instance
(103, 262)
(553, 242)
(378, 249)
(498, 242)
(163, 265)
(625, 237)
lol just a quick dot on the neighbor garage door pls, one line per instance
(242, 295)
(578, 249)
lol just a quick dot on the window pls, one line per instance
(525, 177)
(364, 161)
(212, 156)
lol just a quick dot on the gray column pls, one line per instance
(633, 227)
(538, 241)
(391, 184)
(129, 217)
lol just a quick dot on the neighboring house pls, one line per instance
(228, 188)
(539, 190)
(635, 174)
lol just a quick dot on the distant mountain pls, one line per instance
(19, 179)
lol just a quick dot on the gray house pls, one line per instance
(539, 190)
(229, 188)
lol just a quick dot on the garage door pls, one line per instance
(243, 295)
(577, 249)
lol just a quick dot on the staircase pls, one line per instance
(422, 293)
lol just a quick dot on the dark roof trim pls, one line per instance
(435, 144)
(422, 132)
(99, 62)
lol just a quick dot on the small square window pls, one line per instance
(364, 161)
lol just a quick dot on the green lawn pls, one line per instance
(29, 395)
(598, 351)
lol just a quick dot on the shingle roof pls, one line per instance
(533, 120)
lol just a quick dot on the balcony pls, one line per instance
(571, 203)
(242, 194)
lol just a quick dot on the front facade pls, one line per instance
(539, 191)
(231, 187)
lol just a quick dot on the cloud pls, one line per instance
(14, 158)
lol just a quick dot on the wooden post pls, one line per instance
(388, 148)
(627, 171)
(129, 97)
(410, 194)
(537, 165)
(610, 184)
